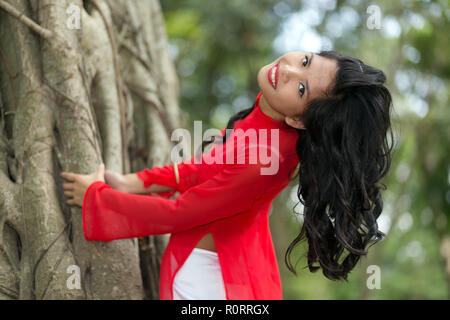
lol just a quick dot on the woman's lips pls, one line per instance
(276, 75)
(269, 75)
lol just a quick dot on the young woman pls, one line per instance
(329, 113)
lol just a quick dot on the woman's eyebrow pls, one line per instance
(307, 89)
(310, 59)
(307, 83)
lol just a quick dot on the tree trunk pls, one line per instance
(70, 99)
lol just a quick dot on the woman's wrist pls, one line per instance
(133, 184)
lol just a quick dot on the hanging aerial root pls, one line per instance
(44, 33)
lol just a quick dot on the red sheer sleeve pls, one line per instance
(110, 214)
(188, 175)
(180, 176)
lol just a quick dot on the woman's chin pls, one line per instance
(262, 80)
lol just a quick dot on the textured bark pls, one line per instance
(70, 99)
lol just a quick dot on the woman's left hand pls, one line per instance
(79, 183)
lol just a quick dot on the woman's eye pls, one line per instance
(305, 61)
(301, 89)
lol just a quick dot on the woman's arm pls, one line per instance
(165, 179)
(131, 183)
(177, 177)
(136, 185)
(110, 215)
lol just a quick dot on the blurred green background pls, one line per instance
(218, 48)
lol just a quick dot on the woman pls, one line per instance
(331, 115)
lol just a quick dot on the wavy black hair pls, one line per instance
(343, 155)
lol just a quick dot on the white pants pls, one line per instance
(199, 278)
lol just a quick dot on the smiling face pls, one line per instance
(299, 77)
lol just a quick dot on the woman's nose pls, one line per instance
(289, 71)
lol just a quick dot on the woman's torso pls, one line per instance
(207, 243)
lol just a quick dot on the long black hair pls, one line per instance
(343, 154)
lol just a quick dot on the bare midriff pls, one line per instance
(207, 243)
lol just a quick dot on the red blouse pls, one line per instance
(231, 200)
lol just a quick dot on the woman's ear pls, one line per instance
(296, 123)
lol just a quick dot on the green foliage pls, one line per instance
(220, 47)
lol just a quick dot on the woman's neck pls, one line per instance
(269, 111)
